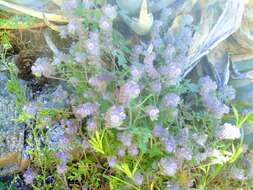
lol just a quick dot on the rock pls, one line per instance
(11, 133)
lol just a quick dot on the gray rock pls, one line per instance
(11, 133)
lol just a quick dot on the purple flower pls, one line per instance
(115, 117)
(61, 168)
(91, 125)
(42, 66)
(133, 150)
(112, 161)
(169, 143)
(138, 179)
(125, 138)
(92, 46)
(136, 72)
(128, 91)
(100, 81)
(208, 93)
(149, 66)
(171, 73)
(182, 136)
(156, 87)
(185, 153)
(168, 166)
(237, 173)
(159, 131)
(62, 156)
(149, 58)
(152, 112)
(121, 151)
(110, 11)
(29, 176)
(64, 140)
(207, 85)
(170, 100)
(85, 110)
(30, 109)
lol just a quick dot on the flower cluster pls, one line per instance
(43, 67)
(115, 117)
(85, 110)
(208, 92)
(129, 111)
(29, 176)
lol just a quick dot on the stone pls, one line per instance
(11, 133)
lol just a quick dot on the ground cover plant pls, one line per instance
(122, 116)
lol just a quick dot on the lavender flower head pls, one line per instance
(207, 85)
(63, 156)
(121, 151)
(168, 166)
(237, 173)
(133, 150)
(115, 116)
(30, 109)
(64, 140)
(156, 87)
(159, 131)
(182, 136)
(29, 176)
(136, 72)
(110, 11)
(125, 138)
(152, 112)
(149, 66)
(85, 110)
(185, 153)
(91, 125)
(170, 100)
(208, 93)
(42, 67)
(128, 91)
(61, 168)
(138, 179)
(112, 161)
(228, 131)
(169, 143)
(92, 46)
(171, 73)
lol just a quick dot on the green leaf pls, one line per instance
(155, 151)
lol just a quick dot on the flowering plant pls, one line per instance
(123, 117)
